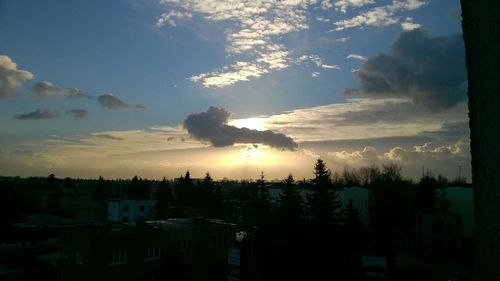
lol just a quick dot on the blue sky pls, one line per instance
(269, 59)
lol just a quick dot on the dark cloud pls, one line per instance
(429, 70)
(212, 126)
(37, 114)
(11, 78)
(113, 102)
(78, 113)
(44, 89)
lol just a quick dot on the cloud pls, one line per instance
(356, 56)
(250, 40)
(342, 5)
(168, 18)
(429, 70)
(78, 113)
(408, 25)
(315, 74)
(37, 114)
(11, 78)
(44, 89)
(379, 16)
(322, 19)
(111, 101)
(212, 126)
(329, 66)
(364, 119)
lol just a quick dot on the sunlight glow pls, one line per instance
(254, 123)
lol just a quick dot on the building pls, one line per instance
(174, 249)
(124, 210)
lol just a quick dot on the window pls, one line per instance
(125, 219)
(141, 208)
(119, 256)
(153, 253)
(126, 208)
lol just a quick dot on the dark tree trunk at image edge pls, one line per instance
(482, 41)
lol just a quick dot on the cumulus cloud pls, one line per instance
(168, 18)
(77, 113)
(212, 126)
(11, 78)
(356, 56)
(37, 114)
(408, 24)
(111, 101)
(367, 156)
(44, 89)
(379, 16)
(315, 74)
(429, 70)
(250, 40)
(342, 5)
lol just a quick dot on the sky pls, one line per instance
(153, 88)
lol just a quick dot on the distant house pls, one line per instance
(451, 229)
(121, 210)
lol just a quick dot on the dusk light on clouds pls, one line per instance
(154, 88)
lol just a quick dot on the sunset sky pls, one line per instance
(155, 87)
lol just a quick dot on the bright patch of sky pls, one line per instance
(120, 77)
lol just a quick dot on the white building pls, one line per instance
(129, 210)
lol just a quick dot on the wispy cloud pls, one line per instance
(111, 101)
(37, 115)
(256, 24)
(343, 5)
(11, 78)
(380, 16)
(356, 56)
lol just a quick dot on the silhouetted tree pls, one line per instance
(164, 200)
(324, 206)
(290, 212)
(324, 209)
(139, 189)
(350, 177)
(103, 189)
(353, 241)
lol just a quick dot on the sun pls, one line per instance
(254, 123)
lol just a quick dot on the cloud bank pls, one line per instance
(212, 126)
(11, 78)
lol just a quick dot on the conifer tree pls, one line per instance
(290, 211)
(164, 200)
(324, 205)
